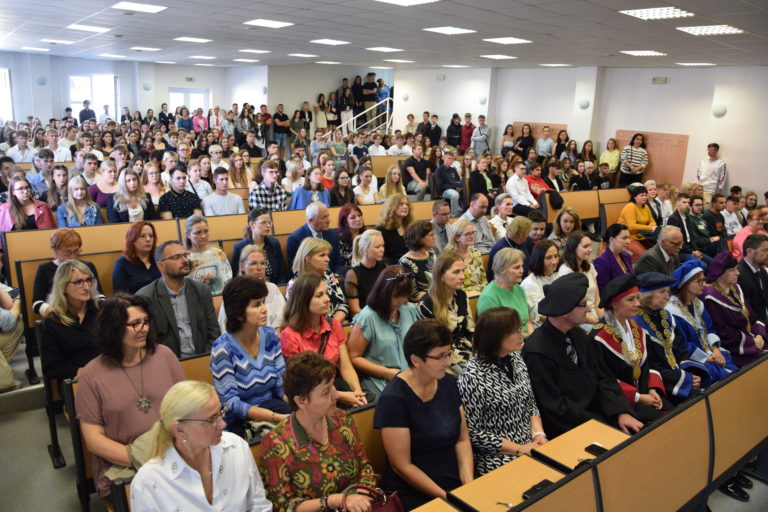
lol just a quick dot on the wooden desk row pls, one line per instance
(674, 464)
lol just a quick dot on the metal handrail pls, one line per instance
(387, 123)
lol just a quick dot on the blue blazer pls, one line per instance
(274, 256)
(330, 236)
(302, 197)
(608, 268)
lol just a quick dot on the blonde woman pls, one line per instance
(394, 218)
(79, 210)
(209, 263)
(367, 264)
(188, 445)
(447, 303)
(152, 182)
(130, 203)
(461, 238)
(195, 182)
(314, 257)
(393, 183)
(170, 159)
(294, 176)
(105, 188)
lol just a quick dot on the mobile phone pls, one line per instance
(539, 487)
(14, 293)
(595, 449)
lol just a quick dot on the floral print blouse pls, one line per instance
(296, 468)
(474, 273)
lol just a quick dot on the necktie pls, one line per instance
(570, 351)
(670, 268)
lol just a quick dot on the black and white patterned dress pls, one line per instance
(498, 403)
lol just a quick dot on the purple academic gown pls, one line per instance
(608, 268)
(735, 330)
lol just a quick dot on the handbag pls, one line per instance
(380, 500)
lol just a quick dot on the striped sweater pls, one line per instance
(242, 381)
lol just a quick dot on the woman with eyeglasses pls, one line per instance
(376, 341)
(257, 233)
(208, 263)
(67, 342)
(461, 239)
(21, 211)
(247, 361)
(188, 446)
(153, 183)
(308, 461)
(505, 290)
(422, 421)
(503, 419)
(119, 393)
(136, 267)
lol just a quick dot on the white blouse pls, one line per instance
(168, 484)
(534, 293)
(591, 276)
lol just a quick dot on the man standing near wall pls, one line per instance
(281, 129)
(467, 129)
(712, 173)
(369, 96)
(481, 136)
(86, 114)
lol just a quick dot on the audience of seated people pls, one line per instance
(398, 357)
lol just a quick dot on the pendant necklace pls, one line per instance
(143, 404)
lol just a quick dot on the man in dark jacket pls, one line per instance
(753, 279)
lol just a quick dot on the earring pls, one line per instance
(184, 441)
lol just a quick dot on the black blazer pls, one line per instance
(655, 207)
(653, 260)
(115, 216)
(689, 245)
(205, 327)
(755, 288)
(478, 185)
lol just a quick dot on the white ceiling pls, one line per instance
(575, 32)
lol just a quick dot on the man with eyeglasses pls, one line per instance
(178, 202)
(441, 216)
(216, 152)
(317, 226)
(475, 214)
(185, 320)
(222, 202)
(268, 195)
(183, 152)
(569, 380)
(664, 256)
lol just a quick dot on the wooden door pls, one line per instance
(666, 154)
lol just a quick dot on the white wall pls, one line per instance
(459, 92)
(247, 84)
(629, 101)
(292, 85)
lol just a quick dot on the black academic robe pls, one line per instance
(609, 347)
(570, 394)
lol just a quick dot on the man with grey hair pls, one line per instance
(475, 214)
(185, 320)
(317, 226)
(664, 256)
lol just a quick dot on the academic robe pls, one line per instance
(737, 330)
(609, 344)
(695, 326)
(567, 393)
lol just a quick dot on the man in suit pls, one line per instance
(185, 320)
(753, 278)
(318, 220)
(681, 219)
(662, 257)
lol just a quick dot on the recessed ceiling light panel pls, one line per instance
(304, 55)
(261, 22)
(408, 3)
(204, 65)
(643, 53)
(88, 28)
(450, 31)
(658, 13)
(498, 57)
(136, 7)
(695, 64)
(399, 61)
(35, 49)
(327, 62)
(202, 57)
(57, 41)
(111, 56)
(385, 49)
(186, 39)
(331, 42)
(454, 66)
(507, 40)
(245, 60)
(164, 62)
(382, 67)
(249, 50)
(711, 30)
(144, 49)
(555, 65)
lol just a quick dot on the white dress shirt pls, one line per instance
(61, 154)
(517, 187)
(168, 484)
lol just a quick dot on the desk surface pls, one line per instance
(436, 505)
(568, 448)
(506, 484)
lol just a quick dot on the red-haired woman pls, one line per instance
(136, 268)
(350, 226)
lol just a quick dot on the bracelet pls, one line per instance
(537, 434)
(323, 503)
(273, 416)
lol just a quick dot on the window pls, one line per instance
(99, 89)
(6, 100)
(190, 98)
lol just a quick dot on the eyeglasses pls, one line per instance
(700, 281)
(212, 420)
(177, 257)
(470, 234)
(139, 324)
(22, 189)
(70, 252)
(82, 282)
(439, 357)
(402, 277)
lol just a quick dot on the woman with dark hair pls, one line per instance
(503, 420)
(507, 141)
(357, 95)
(524, 142)
(257, 233)
(67, 344)
(624, 351)
(56, 195)
(420, 259)
(634, 160)
(638, 218)
(320, 109)
(350, 226)
(367, 265)
(422, 421)
(308, 461)
(588, 153)
(561, 143)
(119, 392)
(571, 153)
(313, 190)
(247, 361)
(576, 258)
(341, 192)
(136, 268)
(308, 327)
(543, 267)
(21, 211)
(566, 222)
(376, 341)
(616, 260)
(394, 218)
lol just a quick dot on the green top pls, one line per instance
(494, 295)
